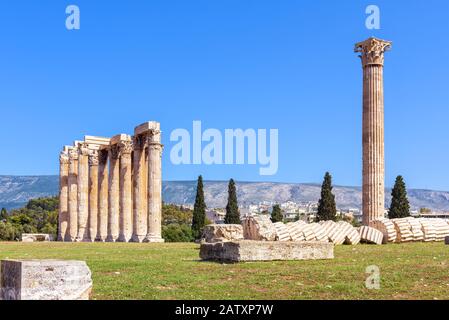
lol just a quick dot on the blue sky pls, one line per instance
(231, 64)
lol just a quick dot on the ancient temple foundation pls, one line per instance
(373, 194)
(111, 188)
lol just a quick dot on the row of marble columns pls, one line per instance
(111, 189)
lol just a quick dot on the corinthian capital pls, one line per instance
(83, 149)
(73, 154)
(154, 136)
(93, 158)
(140, 141)
(126, 147)
(64, 157)
(114, 152)
(372, 51)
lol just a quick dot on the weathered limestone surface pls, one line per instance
(103, 201)
(295, 230)
(259, 228)
(248, 250)
(222, 232)
(93, 196)
(126, 208)
(371, 235)
(45, 280)
(114, 194)
(73, 195)
(63, 218)
(403, 230)
(154, 183)
(36, 237)
(335, 233)
(83, 192)
(441, 229)
(372, 55)
(387, 227)
(282, 233)
(139, 194)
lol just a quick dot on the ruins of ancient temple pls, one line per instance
(111, 188)
(373, 194)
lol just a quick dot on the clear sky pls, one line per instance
(288, 65)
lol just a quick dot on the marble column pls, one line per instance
(140, 191)
(93, 195)
(126, 207)
(373, 195)
(73, 195)
(83, 192)
(154, 185)
(63, 195)
(114, 194)
(102, 223)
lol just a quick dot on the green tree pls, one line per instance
(199, 210)
(400, 206)
(3, 214)
(232, 208)
(8, 232)
(276, 214)
(327, 209)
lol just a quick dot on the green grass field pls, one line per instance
(173, 271)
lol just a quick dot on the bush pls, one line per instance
(177, 233)
(8, 232)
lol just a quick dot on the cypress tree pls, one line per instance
(232, 208)
(276, 214)
(327, 209)
(199, 210)
(3, 214)
(400, 206)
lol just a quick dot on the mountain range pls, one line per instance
(15, 191)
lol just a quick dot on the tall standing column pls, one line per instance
(140, 191)
(154, 185)
(372, 54)
(83, 192)
(126, 208)
(93, 195)
(114, 194)
(102, 223)
(63, 195)
(73, 195)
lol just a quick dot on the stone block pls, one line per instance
(386, 226)
(248, 250)
(446, 240)
(36, 237)
(145, 127)
(222, 232)
(370, 235)
(120, 137)
(282, 233)
(45, 280)
(259, 228)
(295, 231)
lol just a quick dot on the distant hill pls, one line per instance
(15, 191)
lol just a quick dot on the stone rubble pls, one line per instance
(222, 232)
(370, 235)
(45, 280)
(386, 226)
(259, 227)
